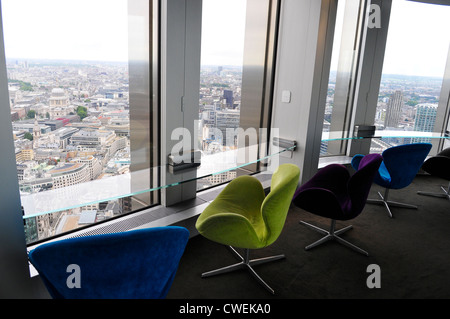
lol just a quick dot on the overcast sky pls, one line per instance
(97, 30)
(418, 39)
(223, 32)
(39, 29)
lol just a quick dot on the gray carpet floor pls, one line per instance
(412, 251)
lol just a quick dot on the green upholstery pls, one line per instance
(242, 216)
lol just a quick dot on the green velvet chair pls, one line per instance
(242, 216)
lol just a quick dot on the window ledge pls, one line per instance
(344, 160)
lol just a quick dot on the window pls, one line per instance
(238, 43)
(411, 95)
(222, 56)
(343, 76)
(83, 120)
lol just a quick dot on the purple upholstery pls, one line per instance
(334, 194)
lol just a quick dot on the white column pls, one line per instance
(300, 59)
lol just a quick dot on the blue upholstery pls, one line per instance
(136, 264)
(400, 164)
(399, 167)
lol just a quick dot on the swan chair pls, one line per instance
(332, 193)
(399, 168)
(439, 166)
(242, 216)
(137, 264)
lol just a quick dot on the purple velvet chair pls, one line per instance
(334, 194)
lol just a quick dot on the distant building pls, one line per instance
(69, 174)
(93, 164)
(59, 104)
(227, 119)
(29, 126)
(91, 138)
(53, 124)
(228, 96)
(394, 110)
(58, 98)
(424, 120)
(425, 117)
(71, 118)
(63, 134)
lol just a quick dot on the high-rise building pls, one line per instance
(425, 117)
(424, 120)
(228, 96)
(394, 110)
(227, 120)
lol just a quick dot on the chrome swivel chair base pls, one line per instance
(387, 203)
(333, 235)
(245, 263)
(446, 193)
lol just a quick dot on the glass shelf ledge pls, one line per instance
(130, 184)
(135, 183)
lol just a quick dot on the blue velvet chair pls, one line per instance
(439, 166)
(138, 264)
(399, 168)
(334, 194)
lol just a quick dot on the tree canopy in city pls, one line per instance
(81, 112)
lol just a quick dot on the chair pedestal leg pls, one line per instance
(445, 194)
(387, 203)
(332, 235)
(246, 263)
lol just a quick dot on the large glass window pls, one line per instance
(76, 113)
(413, 71)
(238, 43)
(222, 53)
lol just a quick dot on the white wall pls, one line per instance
(295, 70)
